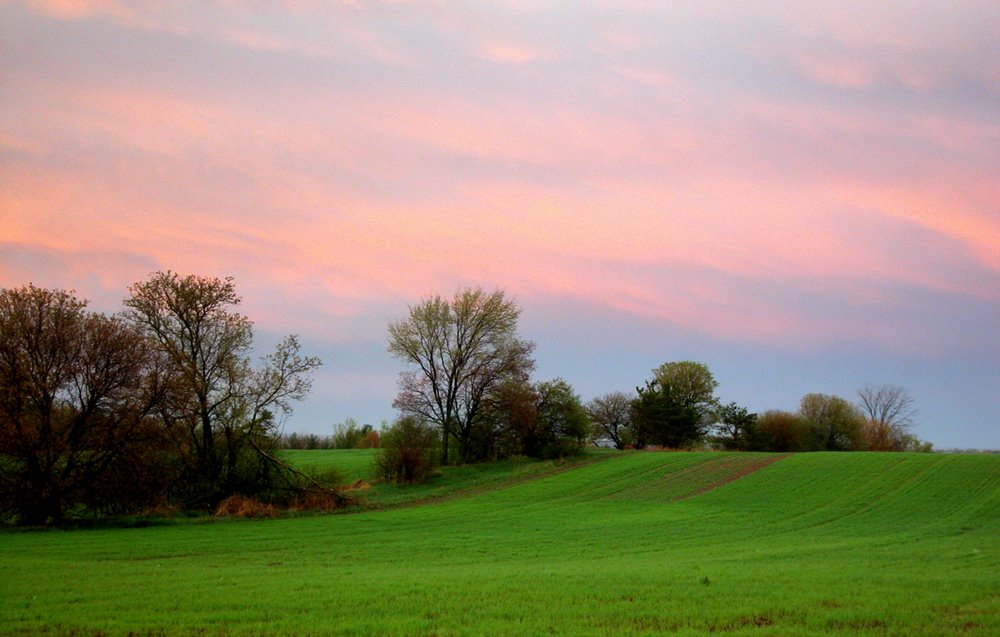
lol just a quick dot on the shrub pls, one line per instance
(315, 500)
(781, 431)
(349, 435)
(408, 451)
(243, 507)
(371, 440)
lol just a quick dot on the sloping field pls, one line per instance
(351, 464)
(642, 543)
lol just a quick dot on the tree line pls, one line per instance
(346, 435)
(468, 380)
(880, 421)
(157, 405)
(160, 404)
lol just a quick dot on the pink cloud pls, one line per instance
(653, 195)
(77, 9)
(840, 73)
(514, 53)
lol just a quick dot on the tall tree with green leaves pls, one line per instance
(563, 422)
(691, 384)
(661, 416)
(458, 350)
(735, 427)
(835, 423)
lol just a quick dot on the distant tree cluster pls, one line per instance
(160, 404)
(880, 421)
(350, 435)
(668, 413)
(468, 379)
(675, 409)
(346, 435)
(310, 441)
(157, 405)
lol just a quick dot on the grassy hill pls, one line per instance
(640, 543)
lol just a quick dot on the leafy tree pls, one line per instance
(508, 422)
(292, 441)
(348, 434)
(836, 424)
(890, 413)
(459, 351)
(909, 442)
(77, 391)
(371, 440)
(611, 417)
(736, 428)
(224, 405)
(691, 384)
(665, 417)
(407, 452)
(562, 423)
(544, 420)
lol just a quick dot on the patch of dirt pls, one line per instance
(561, 467)
(741, 468)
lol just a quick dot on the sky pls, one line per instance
(802, 196)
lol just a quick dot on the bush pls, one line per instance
(315, 500)
(781, 431)
(349, 435)
(243, 507)
(371, 440)
(834, 423)
(408, 451)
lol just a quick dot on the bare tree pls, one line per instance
(225, 405)
(890, 413)
(458, 350)
(76, 393)
(611, 415)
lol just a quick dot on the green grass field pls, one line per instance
(618, 544)
(351, 464)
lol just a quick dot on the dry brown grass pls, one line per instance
(357, 485)
(316, 500)
(240, 506)
(162, 510)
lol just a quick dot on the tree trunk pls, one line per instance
(444, 446)
(208, 463)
